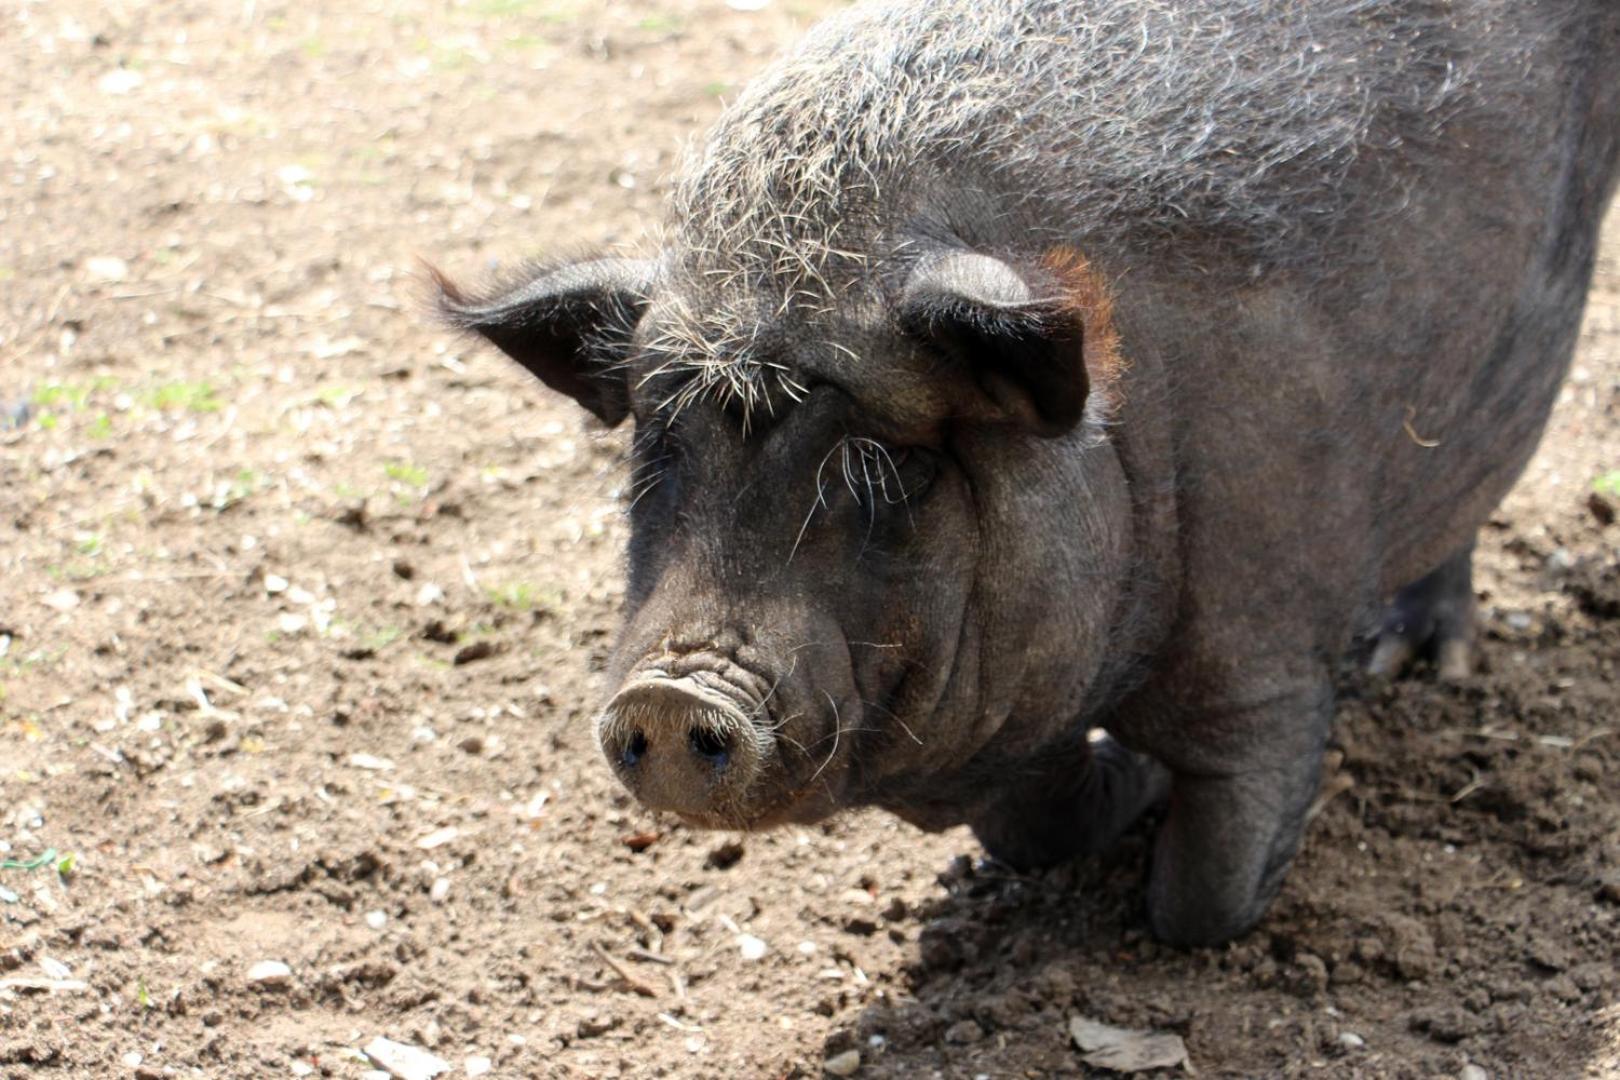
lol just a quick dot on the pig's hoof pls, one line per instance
(1431, 618)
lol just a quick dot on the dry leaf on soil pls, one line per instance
(1123, 1050)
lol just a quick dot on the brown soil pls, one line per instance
(261, 521)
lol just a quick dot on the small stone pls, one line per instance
(751, 947)
(275, 583)
(61, 600)
(269, 973)
(477, 1066)
(439, 890)
(1473, 1072)
(108, 268)
(28, 985)
(844, 1064)
(370, 762)
(963, 1032)
(291, 624)
(472, 744)
(438, 838)
(594, 1023)
(376, 919)
(119, 81)
(429, 594)
(133, 1059)
(478, 650)
(403, 1061)
(1351, 1041)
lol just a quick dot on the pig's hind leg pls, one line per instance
(1074, 803)
(1432, 617)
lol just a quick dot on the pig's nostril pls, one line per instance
(634, 750)
(709, 745)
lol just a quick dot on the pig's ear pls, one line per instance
(1022, 353)
(568, 326)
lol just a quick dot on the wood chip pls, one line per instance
(624, 974)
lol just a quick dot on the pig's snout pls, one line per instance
(682, 744)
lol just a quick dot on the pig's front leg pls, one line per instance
(1071, 802)
(1234, 826)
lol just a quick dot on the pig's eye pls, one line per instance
(883, 476)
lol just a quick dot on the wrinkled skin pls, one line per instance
(951, 534)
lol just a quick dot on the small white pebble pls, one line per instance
(1351, 1041)
(404, 1061)
(370, 761)
(478, 1066)
(106, 268)
(844, 1064)
(438, 838)
(133, 1059)
(808, 948)
(751, 947)
(119, 81)
(275, 583)
(62, 600)
(269, 973)
(440, 890)
(376, 919)
(1473, 1072)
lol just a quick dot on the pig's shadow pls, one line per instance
(1003, 960)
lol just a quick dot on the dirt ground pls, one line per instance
(301, 602)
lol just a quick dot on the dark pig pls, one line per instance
(1034, 400)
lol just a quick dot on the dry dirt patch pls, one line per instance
(301, 602)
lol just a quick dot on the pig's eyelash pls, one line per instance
(871, 472)
(650, 452)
